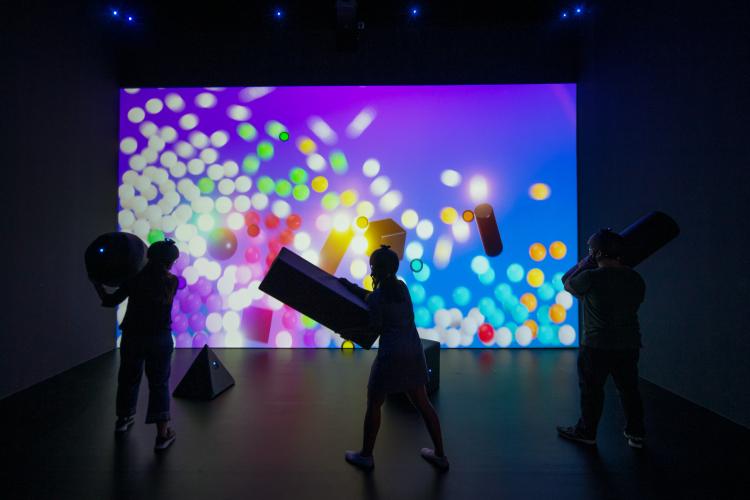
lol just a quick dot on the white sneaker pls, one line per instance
(162, 443)
(123, 424)
(634, 441)
(439, 462)
(357, 460)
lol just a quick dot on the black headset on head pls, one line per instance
(163, 252)
(383, 264)
(607, 243)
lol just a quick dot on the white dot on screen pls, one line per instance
(154, 105)
(128, 145)
(371, 167)
(283, 339)
(205, 100)
(425, 229)
(238, 113)
(188, 121)
(566, 334)
(450, 178)
(175, 102)
(260, 201)
(301, 241)
(242, 203)
(136, 115)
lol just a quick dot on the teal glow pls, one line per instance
(461, 296)
(515, 273)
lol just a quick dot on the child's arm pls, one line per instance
(355, 289)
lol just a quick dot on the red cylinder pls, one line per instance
(488, 230)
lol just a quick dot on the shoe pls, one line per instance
(634, 441)
(357, 460)
(440, 463)
(123, 424)
(162, 443)
(572, 433)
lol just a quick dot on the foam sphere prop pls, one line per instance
(112, 258)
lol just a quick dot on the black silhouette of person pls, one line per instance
(611, 293)
(400, 363)
(146, 340)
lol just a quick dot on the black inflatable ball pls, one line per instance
(114, 257)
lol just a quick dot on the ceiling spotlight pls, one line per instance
(115, 12)
(131, 19)
(414, 11)
(564, 14)
(579, 10)
(278, 13)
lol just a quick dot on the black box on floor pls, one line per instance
(432, 355)
(317, 294)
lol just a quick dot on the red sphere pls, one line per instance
(294, 221)
(251, 218)
(286, 236)
(253, 230)
(272, 221)
(274, 246)
(269, 260)
(252, 254)
(486, 332)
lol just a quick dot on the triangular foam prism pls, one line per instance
(205, 379)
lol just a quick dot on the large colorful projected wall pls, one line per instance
(233, 174)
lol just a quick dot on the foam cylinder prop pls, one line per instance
(647, 235)
(318, 295)
(488, 230)
(112, 258)
(644, 237)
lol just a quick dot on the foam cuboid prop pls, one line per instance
(205, 379)
(318, 295)
(112, 258)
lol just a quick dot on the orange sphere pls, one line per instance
(537, 252)
(468, 215)
(557, 313)
(532, 326)
(557, 250)
(529, 300)
(539, 191)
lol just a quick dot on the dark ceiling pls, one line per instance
(169, 16)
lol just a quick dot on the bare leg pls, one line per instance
(162, 428)
(372, 422)
(422, 402)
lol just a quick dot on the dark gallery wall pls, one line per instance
(664, 113)
(59, 145)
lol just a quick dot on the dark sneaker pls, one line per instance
(357, 460)
(573, 434)
(439, 462)
(162, 443)
(123, 424)
(634, 441)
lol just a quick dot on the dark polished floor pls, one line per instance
(282, 430)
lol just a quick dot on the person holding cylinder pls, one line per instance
(611, 293)
(146, 340)
(400, 363)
